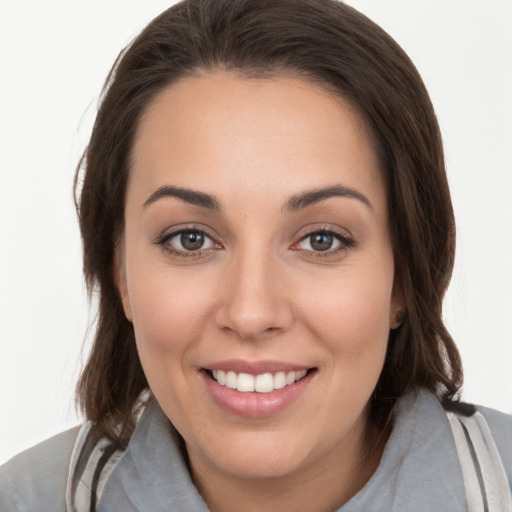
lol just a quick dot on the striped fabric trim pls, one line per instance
(92, 461)
(484, 476)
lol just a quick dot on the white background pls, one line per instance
(54, 56)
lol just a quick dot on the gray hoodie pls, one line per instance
(419, 470)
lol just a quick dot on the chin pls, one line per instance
(257, 455)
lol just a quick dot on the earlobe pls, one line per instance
(398, 309)
(121, 282)
(397, 317)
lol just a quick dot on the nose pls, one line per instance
(254, 303)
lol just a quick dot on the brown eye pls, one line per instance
(187, 241)
(192, 240)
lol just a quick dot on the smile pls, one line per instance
(256, 389)
(262, 383)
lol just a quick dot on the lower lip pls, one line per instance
(256, 405)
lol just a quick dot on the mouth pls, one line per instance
(260, 383)
(256, 389)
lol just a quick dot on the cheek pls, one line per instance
(170, 309)
(351, 316)
(170, 315)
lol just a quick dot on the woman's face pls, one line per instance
(257, 269)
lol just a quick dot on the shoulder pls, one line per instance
(500, 425)
(36, 478)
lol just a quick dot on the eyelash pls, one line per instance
(345, 242)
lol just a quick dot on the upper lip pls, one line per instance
(255, 367)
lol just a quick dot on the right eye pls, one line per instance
(191, 241)
(186, 242)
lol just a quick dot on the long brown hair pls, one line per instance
(321, 40)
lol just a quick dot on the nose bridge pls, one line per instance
(254, 303)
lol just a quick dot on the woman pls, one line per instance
(266, 217)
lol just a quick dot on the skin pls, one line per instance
(258, 290)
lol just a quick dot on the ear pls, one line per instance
(398, 308)
(119, 270)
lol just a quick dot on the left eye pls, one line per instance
(190, 240)
(320, 242)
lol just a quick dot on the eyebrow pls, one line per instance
(310, 197)
(185, 194)
(295, 203)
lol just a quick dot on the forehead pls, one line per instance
(214, 130)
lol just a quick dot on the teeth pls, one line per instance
(231, 380)
(245, 382)
(262, 383)
(279, 380)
